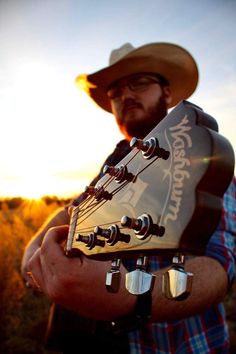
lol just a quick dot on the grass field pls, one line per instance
(23, 313)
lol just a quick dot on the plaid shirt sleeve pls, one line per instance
(222, 244)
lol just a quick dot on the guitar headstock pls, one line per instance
(165, 196)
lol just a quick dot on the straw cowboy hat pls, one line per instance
(171, 61)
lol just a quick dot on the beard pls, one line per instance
(140, 128)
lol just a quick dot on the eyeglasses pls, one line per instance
(135, 84)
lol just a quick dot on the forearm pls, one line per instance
(90, 298)
(210, 285)
(78, 284)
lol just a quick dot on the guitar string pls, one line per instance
(88, 198)
(146, 166)
(126, 164)
(100, 204)
(95, 206)
(89, 228)
(115, 191)
(106, 183)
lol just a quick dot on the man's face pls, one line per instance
(138, 103)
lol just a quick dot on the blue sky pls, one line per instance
(48, 128)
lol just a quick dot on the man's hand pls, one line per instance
(76, 283)
(60, 217)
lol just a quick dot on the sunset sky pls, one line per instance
(53, 139)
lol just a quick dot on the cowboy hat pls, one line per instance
(169, 60)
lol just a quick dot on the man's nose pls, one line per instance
(126, 92)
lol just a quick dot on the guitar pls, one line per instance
(164, 197)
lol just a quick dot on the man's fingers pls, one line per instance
(32, 282)
(52, 254)
(34, 278)
(55, 235)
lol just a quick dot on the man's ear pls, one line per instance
(167, 95)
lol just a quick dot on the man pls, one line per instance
(138, 87)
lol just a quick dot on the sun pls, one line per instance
(42, 113)
(31, 186)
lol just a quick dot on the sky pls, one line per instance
(53, 138)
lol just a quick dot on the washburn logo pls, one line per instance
(181, 142)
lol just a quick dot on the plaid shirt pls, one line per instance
(203, 333)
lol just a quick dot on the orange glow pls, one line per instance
(83, 83)
(40, 151)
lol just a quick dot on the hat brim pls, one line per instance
(169, 60)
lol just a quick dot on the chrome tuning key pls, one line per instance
(113, 277)
(140, 281)
(176, 283)
(150, 148)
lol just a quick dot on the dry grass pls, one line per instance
(23, 313)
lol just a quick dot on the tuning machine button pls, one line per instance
(176, 282)
(120, 173)
(90, 240)
(112, 234)
(113, 277)
(149, 148)
(139, 281)
(143, 226)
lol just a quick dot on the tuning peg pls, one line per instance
(176, 283)
(112, 234)
(98, 193)
(113, 277)
(120, 173)
(149, 148)
(90, 190)
(140, 281)
(143, 226)
(90, 240)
